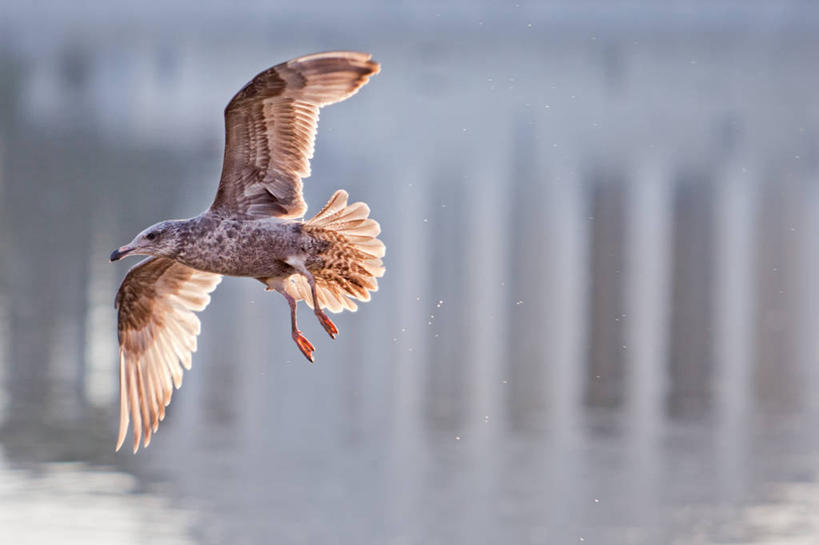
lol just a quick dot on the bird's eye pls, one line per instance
(151, 235)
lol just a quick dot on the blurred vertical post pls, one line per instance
(777, 377)
(690, 348)
(605, 367)
(807, 273)
(527, 283)
(646, 288)
(447, 375)
(645, 327)
(734, 320)
(100, 348)
(4, 319)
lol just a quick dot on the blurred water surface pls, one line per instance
(598, 319)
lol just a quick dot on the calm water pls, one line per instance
(598, 322)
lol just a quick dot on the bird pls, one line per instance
(254, 228)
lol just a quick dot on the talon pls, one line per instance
(304, 345)
(328, 324)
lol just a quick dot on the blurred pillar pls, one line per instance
(605, 361)
(777, 377)
(690, 346)
(647, 280)
(4, 295)
(487, 304)
(528, 279)
(808, 300)
(448, 368)
(565, 295)
(645, 329)
(734, 250)
(411, 276)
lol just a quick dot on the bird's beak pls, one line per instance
(121, 252)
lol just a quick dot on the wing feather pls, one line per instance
(157, 331)
(270, 131)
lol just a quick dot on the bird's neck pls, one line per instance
(189, 237)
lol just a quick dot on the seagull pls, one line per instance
(254, 228)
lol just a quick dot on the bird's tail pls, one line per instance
(352, 260)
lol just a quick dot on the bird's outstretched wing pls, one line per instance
(270, 128)
(157, 331)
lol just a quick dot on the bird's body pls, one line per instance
(257, 248)
(253, 229)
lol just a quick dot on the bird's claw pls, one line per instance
(304, 345)
(328, 324)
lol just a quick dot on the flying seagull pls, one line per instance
(253, 228)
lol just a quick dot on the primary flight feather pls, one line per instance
(252, 229)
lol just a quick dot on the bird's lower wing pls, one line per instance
(157, 331)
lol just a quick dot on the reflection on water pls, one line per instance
(72, 501)
(598, 320)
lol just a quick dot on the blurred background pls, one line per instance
(599, 318)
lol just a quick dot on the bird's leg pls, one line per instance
(301, 341)
(323, 319)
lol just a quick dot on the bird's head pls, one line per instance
(158, 240)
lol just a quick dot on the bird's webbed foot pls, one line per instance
(327, 323)
(304, 345)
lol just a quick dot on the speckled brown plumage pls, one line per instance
(251, 229)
